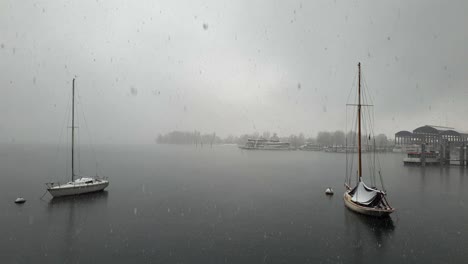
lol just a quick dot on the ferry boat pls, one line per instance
(311, 147)
(266, 144)
(415, 158)
(345, 149)
(406, 148)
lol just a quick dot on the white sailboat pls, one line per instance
(362, 198)
(77, 185)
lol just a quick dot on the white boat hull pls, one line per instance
(76, 189)
(417, 161)
(266, 148)
(365, 210)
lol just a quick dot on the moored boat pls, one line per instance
(366, 200)
(418, 158)
(406, 148)
(361, 198)
(265, 144)
(311, 147)
(77, 185)
(20, 200)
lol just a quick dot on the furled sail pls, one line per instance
(365, 195)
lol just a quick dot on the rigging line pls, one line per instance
(353, 136)
(80, 149)
(365, 125)
(347, 154)
(348, 168)
(376, 155)
(370, 115)
(64, 121)
(90, 142)
(380, 174)
(352, 85)
(350, 141)
(367, 135)
(371, 147)
(370, 112)
(346, 146)
(371, 95)
(43, 195)
(349, 138)
(350, 163)
(67, 153)
(375, 145)
(354, 128)
(373, 162)
(381, 181)
(366, 90)
(356, 135)
(77, 135)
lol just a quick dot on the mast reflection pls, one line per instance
(72, 217)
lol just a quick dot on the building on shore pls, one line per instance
(430, 135)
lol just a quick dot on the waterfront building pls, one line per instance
(430, 135)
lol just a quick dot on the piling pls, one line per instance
(442, 153)
(423, 154)
(447, 152)
(462, 155)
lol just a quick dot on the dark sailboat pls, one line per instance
(361, 198)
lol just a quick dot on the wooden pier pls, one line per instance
(445, 154)
(447, 141)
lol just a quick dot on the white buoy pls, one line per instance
(20, 200)
(329, 191)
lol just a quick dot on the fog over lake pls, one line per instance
(230, 67)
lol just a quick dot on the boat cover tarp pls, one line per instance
(365, 195)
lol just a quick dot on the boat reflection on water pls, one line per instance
(74, 220)
(380, 227)
(369, 235)
(461, 177)
(443, 177)
(90, 198)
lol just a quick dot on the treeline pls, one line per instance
(339, 138)
(323, 138)
(198, 138)
(184, 137)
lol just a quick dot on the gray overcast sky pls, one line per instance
(149, 67)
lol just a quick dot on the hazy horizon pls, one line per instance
(150, 67)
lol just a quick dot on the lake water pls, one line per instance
(181, 204)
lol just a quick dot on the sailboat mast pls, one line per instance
(359, 123)
(73, 133)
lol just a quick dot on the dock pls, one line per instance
(445, 141)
